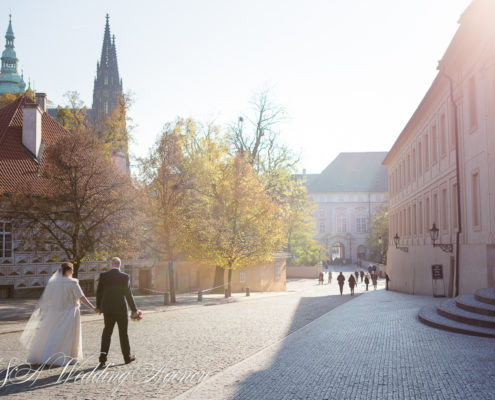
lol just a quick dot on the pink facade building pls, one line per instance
(441, 170)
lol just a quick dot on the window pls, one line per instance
(277, 270)
(472, 104)
(409, 221)
(341, 223)
(444, 210)
(242, 276)
(427, 215)
(443, 136)
(420, 159)
(408, 169)
(475, 187)
(322, 226)
(106, 80)
(361, 224)
(435, 209)
(434, 146)
(414, 164)
(454, 205)
(420, 218)
(427, 153)
(452, 129)
(5, 240)
(414, 220)
(106, 107)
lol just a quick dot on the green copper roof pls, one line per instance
(10, 80)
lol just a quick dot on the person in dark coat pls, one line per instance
(361, 273)
(356, 274)
(369, 269)
(352, 283)
(329, 277)
(374, 279)
(112, 294)
(367, 281)
(320, 278)
(387, 280)
(341, 280)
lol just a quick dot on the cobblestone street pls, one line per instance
(197, 338)
(277, 347)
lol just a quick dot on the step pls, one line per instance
(485, 295)
(429, 316)
(469, 303)
(450, 310)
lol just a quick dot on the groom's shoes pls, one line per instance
(130, 359)
(102, 365)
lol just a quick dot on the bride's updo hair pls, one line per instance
(66, 266)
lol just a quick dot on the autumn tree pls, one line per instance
(168, 181)
(89, 207)
(236, 225)
(73, 115)
(7, 98)
(378, 239)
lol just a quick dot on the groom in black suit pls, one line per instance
(111, 295)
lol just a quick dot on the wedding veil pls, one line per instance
(49, 303)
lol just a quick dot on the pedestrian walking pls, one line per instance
(367, 281)
(341, 280)
(320, 278)
(352, 283)
(361, 273)
(329, 277)
(387, 280)
(374, 279)
(356, 274)
(369, 269)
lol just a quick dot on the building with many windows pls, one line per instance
(441, 171)
(348, 193)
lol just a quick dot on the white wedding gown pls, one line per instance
(53, 334)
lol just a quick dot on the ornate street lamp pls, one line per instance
(446, 247)
(397, 241)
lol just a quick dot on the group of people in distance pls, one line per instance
(370, 277)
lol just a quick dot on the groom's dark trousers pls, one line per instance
(111, 295)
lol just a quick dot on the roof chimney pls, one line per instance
(41, 101)
(31, 128)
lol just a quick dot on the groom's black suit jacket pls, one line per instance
(112, 292)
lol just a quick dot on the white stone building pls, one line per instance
(428, 186)
(348, 194)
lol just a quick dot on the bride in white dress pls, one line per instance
(53, 333)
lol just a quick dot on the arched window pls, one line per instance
(322, 226)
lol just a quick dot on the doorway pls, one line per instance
(338, 251)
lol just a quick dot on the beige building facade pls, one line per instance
(348, 194)
(441, 170)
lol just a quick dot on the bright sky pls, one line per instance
(350, 73)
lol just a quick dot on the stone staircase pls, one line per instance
(471, 314)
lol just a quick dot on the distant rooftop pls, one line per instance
(351, 172)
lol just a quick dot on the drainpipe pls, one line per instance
(457, 173)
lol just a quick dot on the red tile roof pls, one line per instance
(17, 168)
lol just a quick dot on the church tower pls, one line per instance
(108, 85)
(10, 80)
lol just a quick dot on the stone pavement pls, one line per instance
(203, 339)
(373, 347)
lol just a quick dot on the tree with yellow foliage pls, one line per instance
(236, 223)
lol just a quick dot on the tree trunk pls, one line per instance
(218, 280)
(229, 286)
(171, 280)
(76, 262)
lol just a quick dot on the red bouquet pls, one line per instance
(138, 316)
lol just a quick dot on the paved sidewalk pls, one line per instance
(371, 348)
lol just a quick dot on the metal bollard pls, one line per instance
(248, 292)
(200, 295)
(166, 298)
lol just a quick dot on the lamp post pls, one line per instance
(397, 242)
(446, 247)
